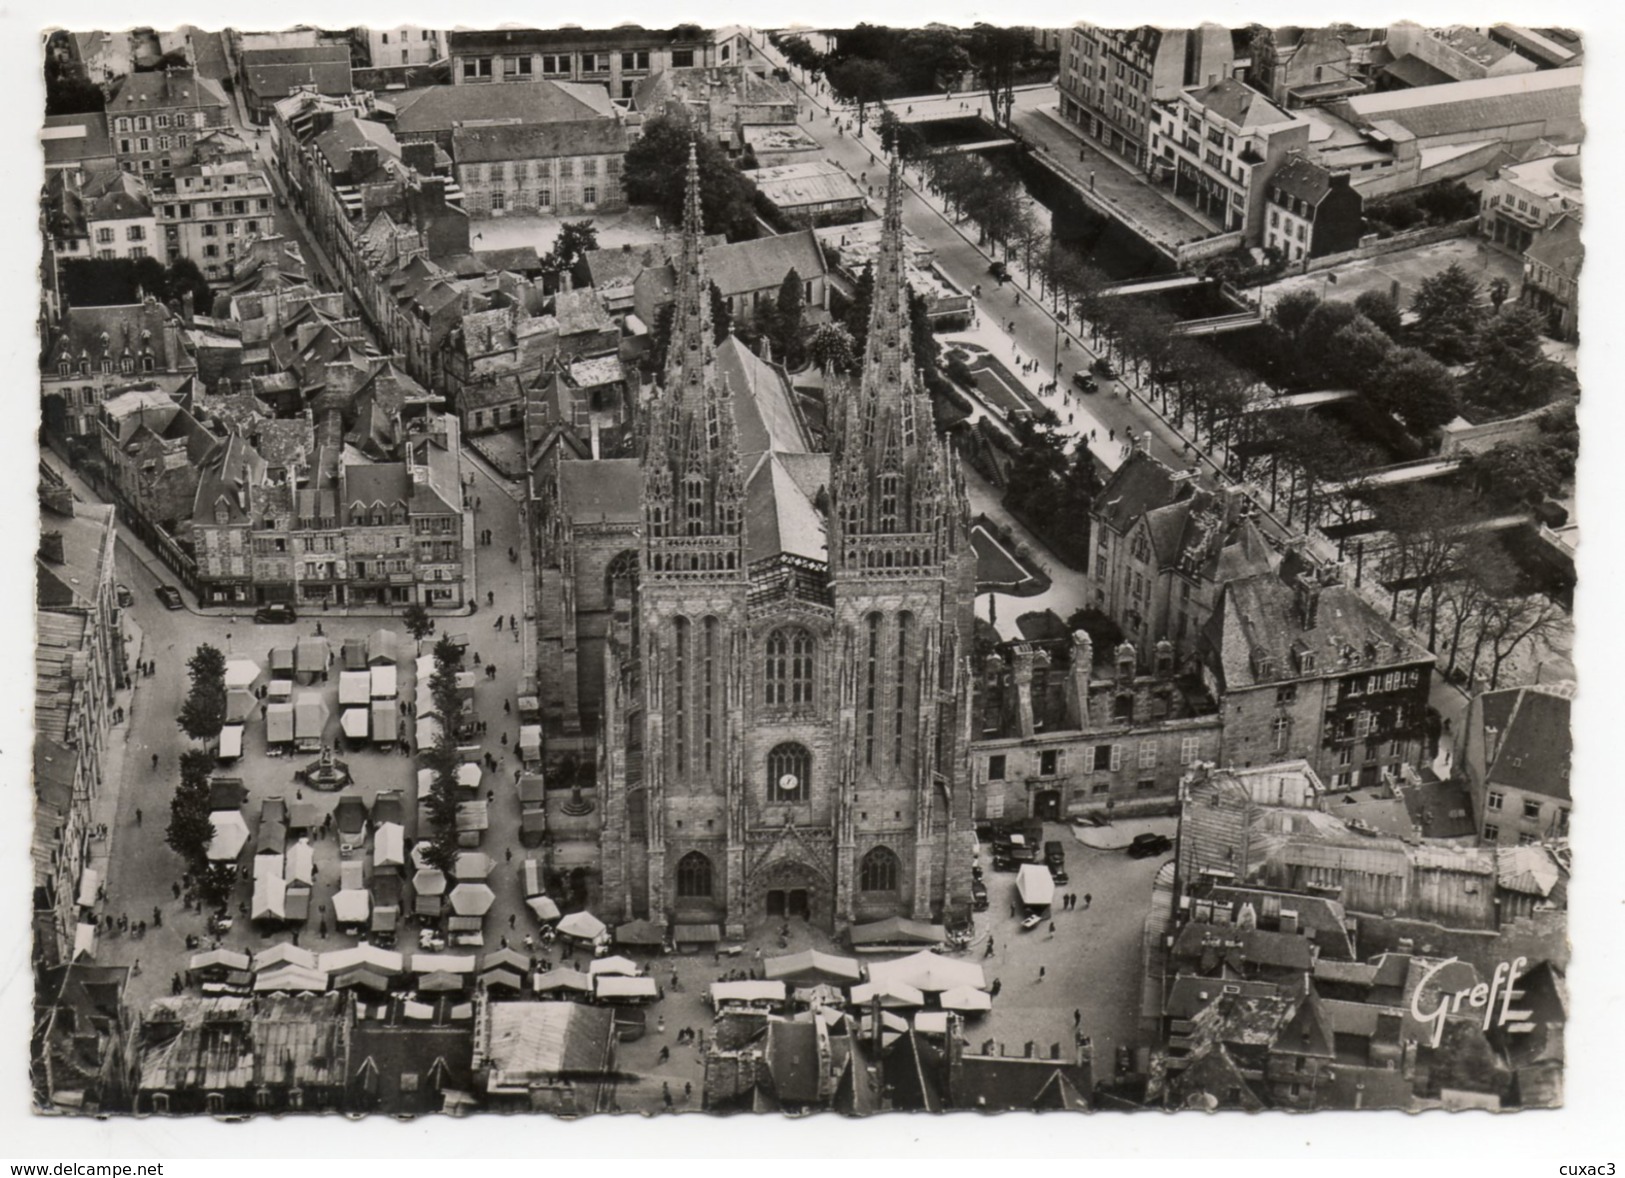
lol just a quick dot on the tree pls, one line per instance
(1292, 310)
(1354, 353)
(1515, 474)
(722, 315)
(995, 52)
(1515, 621)
(203, 713)
(183, 277)
(190, 831)
(922, 341)
(831, 347)
(215, 883)
(417, 621)
(575, 240)
(656, 173)
(1381, 310)
(863, 81)
(110, 282)
(660, 337)
(68, 91)
(1416, 388)
(1510, 371)
(1446, 309)
(1427, 531)
(790, 321)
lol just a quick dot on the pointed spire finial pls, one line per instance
(693, 219)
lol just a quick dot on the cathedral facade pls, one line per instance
(763, 644)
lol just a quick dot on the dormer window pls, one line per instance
(64, 368)
(146, 364)
(84, 367)
(126, 365)
(107, 368)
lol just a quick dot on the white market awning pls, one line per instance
(383, 683)
(354, 723)
(355, 688)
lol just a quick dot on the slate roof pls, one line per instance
(163, 90)
(780, 516)
(442, 108)
(80, 335)
(1414, 72)
(792, 1060)
(405, 1066)
(537, 141)
(201, 1044)
(747, 266)
(764, 404)
(793, 186)
(1141, 484)
(627, 36)
(579, 311)
(346, 133)
(73, 139)
(1205, 944)
(610, 490)
(276, 73)
(1004, 1082)
(1535, 744)
(1302, 178)
(1518, 99)
(538, 1041)
(229, 481)
(1240, 105)
(1560, 247)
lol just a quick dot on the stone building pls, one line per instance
(1515, 751)
(767, 645)
(153, 119)
(1056, 740)
(616, 58)
(97, 351)
(1308, 668)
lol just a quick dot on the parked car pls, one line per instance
(125, 598)
(1103, 367)
(1058, 874)
(1146, 845)
(978, 895)
(276, 613)
(1003, 863)
(170, 596)
(1085, 383)
(999, 271)
(1032, 922)
(1055, 853)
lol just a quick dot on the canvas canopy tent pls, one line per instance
(270, 897)
(532, 789)
(1035, 885)
(298, 903)
(423, 701)
(309, 719)
(506, 978)
(353, 722)
(583, 926)
(388, 807)
(744, 992)
(279, 724)
(640, 932)
(231, 742)
(285, 953)
(966, 999)
(530, 742)
(360, 977)
(309, 658)
(427, 881)
(382, 647)
(352, 874)
(381, 682)
(892, 1027)
(468, 775)
(427, 732)
(507, 958)
(543, 907)
(240, 705)
(280, 690)
(695, 934)
(290, 977)
(424, 668)
(383, 960)
(931, 1022)
(302, 815)
(534, 824)
(563, 979)
(819, 996)
(218, 959)
(385, 721)
(440, 982)
(466, 681)
(530, 874)
(471, 865)
(350, 816)
(353, 655)
(471, 899)
(230, 835)
(929, 972)
(892, 994)
(896, 930)
(624, 989)
(90, 882)
(620, 965)
(812, 966)
(351, 906)
(298, 864)
(389, 846)
(355, 689)
(241, 673)
(282, 662)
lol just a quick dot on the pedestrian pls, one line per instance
(1041, 973)
(505, 939)
(1077, 1018)
(1051, 931)
(476, 503)
(507, 708)
(510, 920)
(176, 888)
(157, 917)
(504, 740)
(155, 762)
(665, 1094)
(1012, 907)
(665, 1054)
(321, 929)
(135, 970)
(138, 816)
(490, 598)
(989, 952)
(1087, 900)
(509, 853)
(476, 658)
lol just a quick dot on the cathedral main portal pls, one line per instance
(787, 889)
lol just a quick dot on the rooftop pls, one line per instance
(747, 266)
(815, 182)
(1528, 730)
(1477, 105)
(1240, 105)
(532, 141)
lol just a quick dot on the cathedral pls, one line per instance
(755, 641)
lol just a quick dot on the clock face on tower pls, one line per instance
(789, 783)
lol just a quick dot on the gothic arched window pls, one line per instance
(694, 503)
(888, 503)
(879, 871)
(708, 693)
(694, 877)
(871, 689)
(789, 666)
(679, 701)
(788, 767)
(621, 577)
(905, 629)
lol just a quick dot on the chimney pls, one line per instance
(1125, 664)
(1055, 1051)
(1492, 743)
(51, 550)
(1024, 660)
(1337, 180)
(1164, 660)
(566, 283)
(363, 163)
(419, 157)
(1308, 594)
(1027, 1049)
(1289, 920)
(1077, 684)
